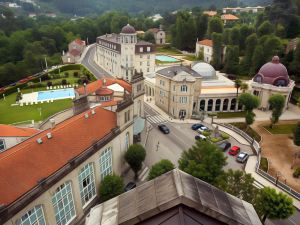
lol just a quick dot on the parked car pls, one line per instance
(234, 150)
(196, 126)
(163, 128)
(203, 128)
(129, 186)
(200, 137)
(242, 157)
(225, 145)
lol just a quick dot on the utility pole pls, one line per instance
(46, 63)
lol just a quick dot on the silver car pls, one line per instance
(242, 157)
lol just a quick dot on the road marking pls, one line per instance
(156, 119)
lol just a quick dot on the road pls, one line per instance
(88, 62)
(181, 137)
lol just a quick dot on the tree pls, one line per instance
(134, 156)
(239, 184)
(217, 50)
(295, 65)
(257, 59)
(274, 205)
(250, 102)
(251, 42)
(201, 25)
(232, 60)
(265, 28)
(297, 135)
(160, 168)
(110, 187)
(234, 38)
(215, 25)
(244, 87)
(237, 85)
(277, 103)
(203, 160)
(149, 37)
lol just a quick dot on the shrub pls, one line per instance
(224, 136)
(264, 164)
(45, 77)
(88, 76)
(160, 168)
(63, 82)
(111, 186)
(134, 156)
(66, 74)
(55, 76)
(79, 81)
(297, 173)
(18, 97)
(49, 83)
(206, 133)
(215, 140)
(76, 74)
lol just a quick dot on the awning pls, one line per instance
(138, 125)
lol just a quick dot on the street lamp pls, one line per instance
(4, 97)
(157, 146)
(278, 174)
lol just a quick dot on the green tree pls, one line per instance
(265, 28)
(234, 38)
(244, 87)
(272, 46)
(274, 205)
(160, 168)
(237, 85)
(295, 65)
(217, 50)
(297, 135)
(277, 103)
(232, 60)
(226, 36)
(215, 25)
(203, 160)
(201, 25)
(149, 37)
(251, 42)
(110, 187)
(250, 102)
(257, 59)
(134, 156)
(245, 32)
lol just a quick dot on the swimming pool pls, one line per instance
(56, 94)
(165, 58)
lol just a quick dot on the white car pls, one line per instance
(201, 129)
(200, 137)
(242, 157)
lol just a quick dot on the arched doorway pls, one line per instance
(210, 105)
(233, 104)
(202, 105)
(218, 105)
(225, 104)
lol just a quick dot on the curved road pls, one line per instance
(88, 62)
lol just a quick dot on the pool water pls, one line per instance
(56, 94)
(165, 58)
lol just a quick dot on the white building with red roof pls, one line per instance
(159, 35)
(204, 47)
(75, 49)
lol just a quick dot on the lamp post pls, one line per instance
(4, 97)
(157, 146)
(278, 174)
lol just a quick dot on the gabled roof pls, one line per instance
(22, 166)
(206, 42)
(92, 87)
(168, 191)
(74, 52)
(79, 42)
(12, 131)
(229, 17)
(154, 30)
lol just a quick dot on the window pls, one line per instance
(127, 116)
(218, 105)
(161, 93)
(87, 183)
(202, 105)
(258, 79)
(183, 99)
(173, 98)
(148, 63)
(148, 56)
(106, 162)
(162, 83)
(148, 49)
(34, 216)
(174, 88)
(2, 145)
(138, 87)
(141, 49)
(63, 204)
(183, 88)
(127, 141)
(210, 105)
(148, 69)
(104, 98)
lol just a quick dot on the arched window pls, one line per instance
(218, 105)
(258, 79)
(183, 88)
(210, 105)
(202, 105)
(86, 180)
(233, 104)
(34, 216)
(225, 104)
(63, 204)
(105, 162)
(127, 141)
(280, 83)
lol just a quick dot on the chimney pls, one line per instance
(49, 135)
(52, 122)
(93, 112)
(86, 115)
(104, 83)
(39, 140)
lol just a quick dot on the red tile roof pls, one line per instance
(229, 17)
(154, 30)
(210, 13)
(74, 52)
(206, 42)
(103, 91)
(25, 164)
(92, 87)
(79, 42)
(12, 131)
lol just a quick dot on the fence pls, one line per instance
(256, 147)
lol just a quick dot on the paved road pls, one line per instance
(88, 62)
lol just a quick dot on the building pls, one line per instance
(204, 48)
(122, 54)
(75, 49)
(174, 198)
(210, 13)
(159, 35)
(186, 92)
(12, 135)
(229, 18)
(249, 9)
(272, 78)
(292, 45)
(156, 17)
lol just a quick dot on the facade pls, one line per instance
(210, 13)
(122, 54)
(272, 78)
(183, 92)
(253, 9)
(174, 198)
(229, 18)
(159, 35)
(75, 49)
(204, 47)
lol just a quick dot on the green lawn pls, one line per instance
(13, 114)
(167, 51)
(264, 164)
(281, 128)
(224, 115)
(191, 58)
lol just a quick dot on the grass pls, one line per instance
(167, 50)
(264, 165)
(252, 133)
(281, 128)
(191, 58)
(224, 115)
(13, 114)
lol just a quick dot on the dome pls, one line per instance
(103, 91)
(128, 29)
(273, 73)
(205, 70)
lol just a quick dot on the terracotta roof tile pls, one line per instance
(79, 42)
(75, 52)
(12, 131)
(206, 42)
(24, 165)
(229, 17)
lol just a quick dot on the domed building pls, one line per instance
(206, 70)
(272, 78)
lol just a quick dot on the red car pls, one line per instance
(234, 150)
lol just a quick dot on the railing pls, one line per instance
(256, 147)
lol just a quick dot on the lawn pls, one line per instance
(281, 128)
(224, 115)
(167, 50)
(264, 165)
(13, 114)
(191, 58)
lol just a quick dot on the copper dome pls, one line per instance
(128, 29)
(273, 73)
